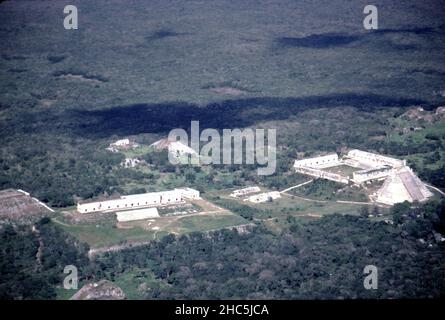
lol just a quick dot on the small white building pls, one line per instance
(318, 173)
(122, 142)
(245, 191)
(179, 149)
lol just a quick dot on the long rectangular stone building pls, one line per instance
(140, 200)
(373, 159)
(326, 161)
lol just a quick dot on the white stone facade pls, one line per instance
(322, 174)
(368, 159)
(140, 200)
(122, 142)
(326, 161)
(130, 162)
(372, 174)
(175, 148)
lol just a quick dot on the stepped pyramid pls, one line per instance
(402, 186)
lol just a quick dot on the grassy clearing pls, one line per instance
(343, 170)
(103, 230)
(206, 223)
(136, 152)
(287, 205)
(102, 235)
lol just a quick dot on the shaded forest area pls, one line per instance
(64, 156)
(32, 260)
(320, 260)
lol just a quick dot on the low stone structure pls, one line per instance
(140, 200)
(263, 197)
(122, 144)
(245, 191)
(371, 174)
(318, 173)
(320, 162)
(138, 214)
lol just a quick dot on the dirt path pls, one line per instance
(306, 199)
(337, 201)
(40, 249)
(363, 203)
(95, 251)
(297, 186)
(59, 222)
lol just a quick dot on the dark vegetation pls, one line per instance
(65, 97)
(328, 40)
(323, 259)
(56, 59)
(61, 166)
(163, 34)
(32, 262)
(303, 69)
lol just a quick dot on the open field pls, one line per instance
(293, 204)
(324, 83)
(107, 234)
(136, 152)
(210, 217)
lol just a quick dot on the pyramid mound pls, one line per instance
(403, 186)
(174, 147)
(102, 290)
(18, 205)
